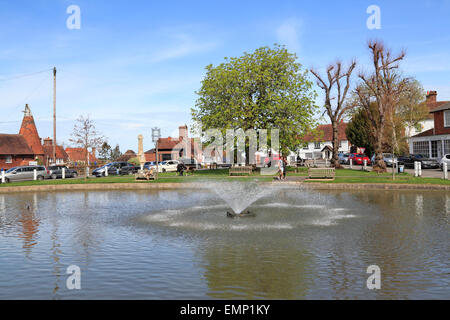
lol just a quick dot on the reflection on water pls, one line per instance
(180, 244)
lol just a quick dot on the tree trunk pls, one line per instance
(335, 158)
(379, 165)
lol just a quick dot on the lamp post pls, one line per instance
(156, 134)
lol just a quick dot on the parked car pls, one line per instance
(387, 157)
(343, 158)
(25, 173)
(149, 164)
(426, 162)
(446, 159)
(168, 166)
(115, 168)
(358, 159)
(55, 172)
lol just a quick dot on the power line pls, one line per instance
(25, 75)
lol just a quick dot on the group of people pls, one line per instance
(282, 164)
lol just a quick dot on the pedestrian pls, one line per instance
(280, 169)
(284, 167)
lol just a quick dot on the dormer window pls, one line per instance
(447, 118)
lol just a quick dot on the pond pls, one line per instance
(179, 244)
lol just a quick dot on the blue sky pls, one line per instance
(134, 65)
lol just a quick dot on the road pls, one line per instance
(426, 173)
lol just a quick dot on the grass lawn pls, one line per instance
(342, 176)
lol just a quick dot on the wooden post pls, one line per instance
(157, 160)
(54, 115)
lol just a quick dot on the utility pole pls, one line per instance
(54, 115)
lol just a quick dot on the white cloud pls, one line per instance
(289, 34)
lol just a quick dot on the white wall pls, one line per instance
(311, 152)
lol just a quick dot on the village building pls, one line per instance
(129, 154)
(427, 124)
(435, 142)
(79, 156)
(320, 146)
(61, 155)
(176, 148)
(26, 148)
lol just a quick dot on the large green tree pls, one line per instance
(357, 133)
(265, 89)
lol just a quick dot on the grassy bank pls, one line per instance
(342, 176)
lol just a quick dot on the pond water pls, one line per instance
(302, 244)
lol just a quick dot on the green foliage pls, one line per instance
(266, 89)
(358, 131)
(105, 151)
(135, 161)
(115, 153)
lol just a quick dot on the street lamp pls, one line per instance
(156, 134)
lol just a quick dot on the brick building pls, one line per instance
(26, 147)
(435, 142)
(175, 148)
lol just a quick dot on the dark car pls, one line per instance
(115, 168)
(56, 172)
(426, 162)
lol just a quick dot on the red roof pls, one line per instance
(79, 154)
(60, 153)
(29, 132)
(427, 133)
(14, 144)
(325, 133)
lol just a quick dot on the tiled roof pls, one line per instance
(79, 154)
(442, 106)
(327, 131)
(60, 152)
(14, 144)
(427, 133)
(127, 155)
(29, 132)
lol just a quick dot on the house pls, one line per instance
(175, 148)
(320, 146)
(130, 154)
(24, 148)
(15, 151)
(427, 124)
(61, 155)
(435, 142)
(78, 156)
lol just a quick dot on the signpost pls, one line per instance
(156, 134)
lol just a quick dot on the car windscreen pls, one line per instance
(11, 170)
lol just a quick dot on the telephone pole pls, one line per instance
(54, 115)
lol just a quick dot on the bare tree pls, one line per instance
(336, 76)
(85, 135)
(384, 87)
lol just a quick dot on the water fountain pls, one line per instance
(239, 196)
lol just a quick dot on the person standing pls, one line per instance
(280, 168)
(284, 167)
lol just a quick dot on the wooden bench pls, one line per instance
(144, 174)
(321, 173)
(247, 170)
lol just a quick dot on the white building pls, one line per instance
(427, 124)
(434, 143)
(321, 146)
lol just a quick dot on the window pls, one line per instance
(446, 146)
(8, 159)
(421, 147)
(447, 118)
(306, 146)
(316, 145)
(434, 149)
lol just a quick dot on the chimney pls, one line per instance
(48, 142)
(431, 96)
(183, 132)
